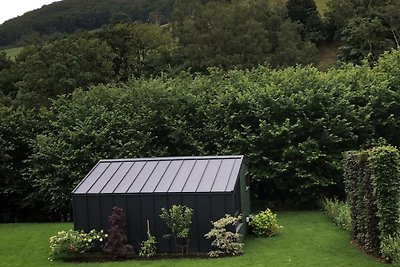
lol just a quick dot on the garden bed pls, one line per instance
(101, 257)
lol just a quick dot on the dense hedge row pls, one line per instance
(292, 124)
(385, 163)
(373, 190)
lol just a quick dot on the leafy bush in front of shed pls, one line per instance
(67, 244)
(225, 242)
(148, 247)
(178, 219)
(117, 241)
(264, 223)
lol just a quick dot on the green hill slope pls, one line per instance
(71, 15)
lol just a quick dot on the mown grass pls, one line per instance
(13, 52)
(307, 239)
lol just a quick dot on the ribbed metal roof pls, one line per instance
(162, 175)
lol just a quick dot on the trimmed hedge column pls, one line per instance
(372, 180)
(351, 173)
(385, 165)
(369, 216)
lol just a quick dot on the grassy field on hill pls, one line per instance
(307, 239)
(13, 52)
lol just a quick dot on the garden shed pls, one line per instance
(211, 185)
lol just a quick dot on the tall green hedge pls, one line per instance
(373, 191)
(370, 231)
(385, 164)
(351, 174)
(293, 125)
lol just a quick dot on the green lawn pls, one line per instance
(13, 52)
(308, 239)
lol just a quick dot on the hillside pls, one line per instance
(70, 15)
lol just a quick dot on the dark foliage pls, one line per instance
(364, 28)
(70, 15)
(305, 11)
(117, 240)
(237, 34)
(368, 216)
(351, 173)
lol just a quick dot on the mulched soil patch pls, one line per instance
(101, 257)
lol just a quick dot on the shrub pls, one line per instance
(117, 241)
(225, 242)
(339, 212)
(148, 247)
(264, 223)
(373, 188)
(178, 219)
(385, 165)
(73, 243)
(390, 248)
(351, 173)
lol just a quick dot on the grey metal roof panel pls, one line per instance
(162, 175)
(130, 177)
(225, 171)
(143, 176)
(181, 177)
(117, 178)
(232, 181)
(209, 176)
(91, 178)
(193, 181)
(155, 177)
(168, 178)
(104, 178)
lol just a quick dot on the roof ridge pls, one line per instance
(174, 158)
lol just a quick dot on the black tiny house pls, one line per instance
(212, 186)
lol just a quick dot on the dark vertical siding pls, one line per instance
(120, 202)
(244, 192)
(93, 204)
(204, 220)
(230, 204)
(107, 204)
(218, 209)
(190, 201)
(80, 213)
(148, 213)
(134, 215)
(163, 245)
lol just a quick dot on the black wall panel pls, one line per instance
(148, 213)
(204, 220)
(81, 220)
(163, 245)
(194, 236)
(134, 215)
(107, 204)
(93, 204)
